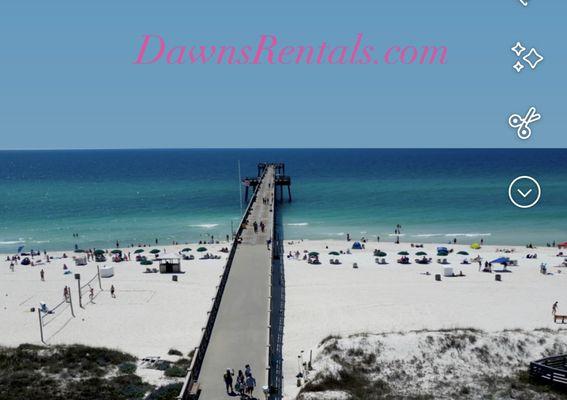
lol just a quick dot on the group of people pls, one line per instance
(245, 383)
(261, 225)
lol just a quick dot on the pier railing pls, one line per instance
(552, 370)
(187, 391)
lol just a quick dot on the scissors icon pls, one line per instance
(523, 123)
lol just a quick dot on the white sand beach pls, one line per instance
(336, 299)
(151, 313)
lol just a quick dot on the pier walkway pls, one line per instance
(240, 332)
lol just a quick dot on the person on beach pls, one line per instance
(554, 308)
(228, 381)
(66, 293)
(42, 275)
(247, 370)
(91, 293)
(112, 290)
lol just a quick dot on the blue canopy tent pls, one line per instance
(357, 246)
(501, 260)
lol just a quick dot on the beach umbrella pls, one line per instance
(186, 249)
(79, 251)
(313, 254)
(116, 251)
(421, 253)
(201, 249)
(463, 253)
(334, 253)
(98, 252)
(381, 254)
(475, 246)
(403, 253)
(138, 251)
(146, 262)
(154, 251)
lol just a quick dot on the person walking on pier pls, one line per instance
(250, 385)
(228, 381)
(554, 308)
(240, 383)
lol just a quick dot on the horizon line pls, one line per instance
(275, 148)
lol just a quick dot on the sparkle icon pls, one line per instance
(518, 49)
(532, 58)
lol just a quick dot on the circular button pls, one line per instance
(524, 192)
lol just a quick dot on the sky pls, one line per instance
(68, 79)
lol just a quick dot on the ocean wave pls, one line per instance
(298, 224)
(396, 234)
(425, 235)
(205, 226)
(467, 234)
(12, 242)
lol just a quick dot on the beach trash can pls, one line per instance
(498, 278)
(438, 277)
(174, 278)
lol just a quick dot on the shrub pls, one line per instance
(167, 392)
(127, 368)
(175, 372)
(174, 352)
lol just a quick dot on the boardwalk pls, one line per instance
(240, 334)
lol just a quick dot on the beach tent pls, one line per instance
(169, 263)
(448, 271)
(500, 260)
(475, 246)
(106, 272)
(138, 251)
(356, 246)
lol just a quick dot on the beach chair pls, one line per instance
(377, 261)
(383, 261)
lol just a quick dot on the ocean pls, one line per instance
(136, 196)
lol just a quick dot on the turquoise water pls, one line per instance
(136, 196)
